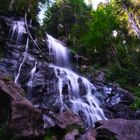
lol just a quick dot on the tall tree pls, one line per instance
(63, 15)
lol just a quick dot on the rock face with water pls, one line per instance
(44, 71)
(53, 86)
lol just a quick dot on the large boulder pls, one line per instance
(24, 120)
(90, 134)
(71, 135)
(66, 119)
(118, 129)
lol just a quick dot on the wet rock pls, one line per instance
(90, 134)
(48, 121)
(115, 100)
(100, 76)
(68, 118)
(81, 60)
(24, 120)
(71, 135)
(119, 129)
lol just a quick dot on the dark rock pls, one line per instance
(82, 60)
(79, 59)
(137, 114)
(71, 135)
(119, 129)
(23, 118)
(90, 134)
(48, 121)
(115, 100)
(100, 76)
(68, 118)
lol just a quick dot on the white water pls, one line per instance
(24, 58)
(30, 83)
(58, 51)
(18, 27)
(83, 102)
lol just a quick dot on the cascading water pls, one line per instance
(30, 83)
(81, 93)
(16, 34)
(18, 28)
(17, 31)
(75, 92)
(24, 58)
(58, 51)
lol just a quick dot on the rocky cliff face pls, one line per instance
(39, 81)
(22, 118)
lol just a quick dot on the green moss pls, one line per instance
(49, 135)
(79, 128)
(7, 78)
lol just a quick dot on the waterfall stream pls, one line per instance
(17, 31)
(81, 93)
(24, 58)
(58, 51)
(74, 91)
(30, 83)
(17, 28)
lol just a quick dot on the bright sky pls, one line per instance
(94, 3)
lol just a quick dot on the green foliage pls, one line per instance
(53, 133)
(3, 131)
(4, 134)
(136, 91)
(99, 41)
(65, 15)
(124, 76)
(19, 7)
(79, 128)
(48, 135)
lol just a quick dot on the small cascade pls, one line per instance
(80, 92)
(58, 51)
(24, 58)
(30, 83)
(17, 29)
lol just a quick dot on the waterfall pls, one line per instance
(58, 51)
(30, 83)
(81, 93)
(17, 28)
(75, 92)
(16, 33)
(24, 58)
